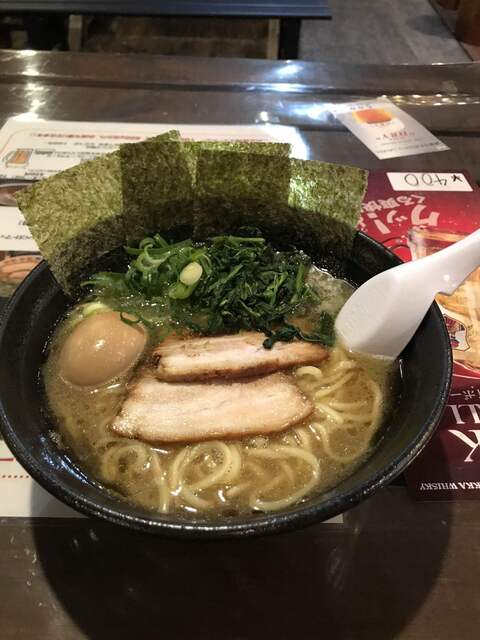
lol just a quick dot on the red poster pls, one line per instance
(416, 215)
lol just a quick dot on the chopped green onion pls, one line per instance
(94, 307)
(191, 274)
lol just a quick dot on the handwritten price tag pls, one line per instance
(429, 181)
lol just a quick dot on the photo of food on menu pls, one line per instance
(15, 264)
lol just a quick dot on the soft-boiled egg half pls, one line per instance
(100, 348)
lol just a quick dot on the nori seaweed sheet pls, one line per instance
(157, 187)
(324, 204)
(241, 146)
(194, 147)
(333, 190)
(75, 215)
(239, 189)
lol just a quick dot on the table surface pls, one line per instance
(395, 568)
(240, 8)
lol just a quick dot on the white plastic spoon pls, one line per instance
(382, 315)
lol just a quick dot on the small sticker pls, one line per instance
(385, 129)
(428, 181)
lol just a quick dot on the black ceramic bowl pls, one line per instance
(32, 314)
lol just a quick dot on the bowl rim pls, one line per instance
(275, 522)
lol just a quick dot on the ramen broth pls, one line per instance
(231, 477)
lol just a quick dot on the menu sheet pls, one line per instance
(416, 214)
(32, 150)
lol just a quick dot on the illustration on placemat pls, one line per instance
(457, 333)
(8, 191)
(17, 158)
(462, 308)
(14, 267)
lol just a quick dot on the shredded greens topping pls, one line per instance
(225, 284)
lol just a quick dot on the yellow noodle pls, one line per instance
(298, 452)
(327, 391)
(238, 489)
(347, 364)
(283, 503)
(219, 471)
(287, 470)
(324, 381)
(328, 411)
(235, 466)
(161, 482)
(335, 456)
(309, 371)
(361, 418)
(377, 400)
(174, 470)
(111, 458)
(303, 437)
(347, 406)
(194, 501)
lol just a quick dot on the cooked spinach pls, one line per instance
(226, 284)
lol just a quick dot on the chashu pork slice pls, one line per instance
(157, 411)
(234, 356)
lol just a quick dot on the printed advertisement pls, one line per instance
(415, 215)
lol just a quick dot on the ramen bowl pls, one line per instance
(39, 304)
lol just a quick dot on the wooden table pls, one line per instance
(396, 568)
(290, 12)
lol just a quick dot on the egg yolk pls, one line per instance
(101, 348)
